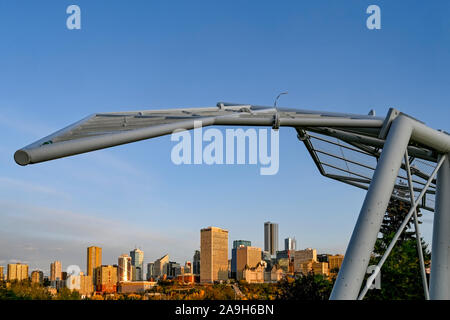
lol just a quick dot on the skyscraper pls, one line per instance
(1, 273)
(246, 256)
(37, 276)
(271, 237)
(196, 263)
(137, 262)
(124, 271)
(17, 271)
(290, 244)
(161, 266)
(55, 271)
(94, 260)
(213, 254)
(237, 244)
(150, 271)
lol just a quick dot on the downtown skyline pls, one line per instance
(166, 55)
(112, 257)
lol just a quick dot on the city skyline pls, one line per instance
(322, 54)
(252, 266)
(120, 260)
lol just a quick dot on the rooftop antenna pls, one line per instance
(276, 99)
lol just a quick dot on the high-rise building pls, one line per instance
(106, 279)
(335, 262)
(124, 268)
(17, 271)
(304, 256)
(86, 285)
(246, 257)
(196, 263)
(237, 244)
(150, 271)
(37, 276)
(290, 244)
(271, 237)
(1, 273)
(55, 271)
(161, 266)
(213, 254)
(174, 269)
(94, 260)
(137, 261)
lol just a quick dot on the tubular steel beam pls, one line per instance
(416, 227)
(440, 259)
(399, 231)
(356, 259)
(29, 154)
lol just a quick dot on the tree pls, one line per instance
(67, 294)
(400, 274)
(305, 287)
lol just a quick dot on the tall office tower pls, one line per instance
(124, 271)
(17, 271)
(37, 276)
(137, 261)
(1, 273)
(246, 256)
(213, 254)
(94, 260)
(150, 271)
(290, 244)
(55, 271)
(271, 237)
(196, 263)
(237, 244)
(161, 266)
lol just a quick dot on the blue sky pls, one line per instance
(132, 55)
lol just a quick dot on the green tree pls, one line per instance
(23, 290)
(67, 294)
(305, 287)
(400, 274)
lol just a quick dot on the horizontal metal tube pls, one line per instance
(300, 122)
(68, 148)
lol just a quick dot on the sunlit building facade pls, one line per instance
(94, 260)
(213, 255)
(124, 268)
(17, 271)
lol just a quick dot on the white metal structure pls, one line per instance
(393, 156)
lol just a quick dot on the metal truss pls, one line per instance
(395, 156)
(411, 214)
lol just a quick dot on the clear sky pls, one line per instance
(132, 55)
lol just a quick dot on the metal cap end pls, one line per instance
(22, 157)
